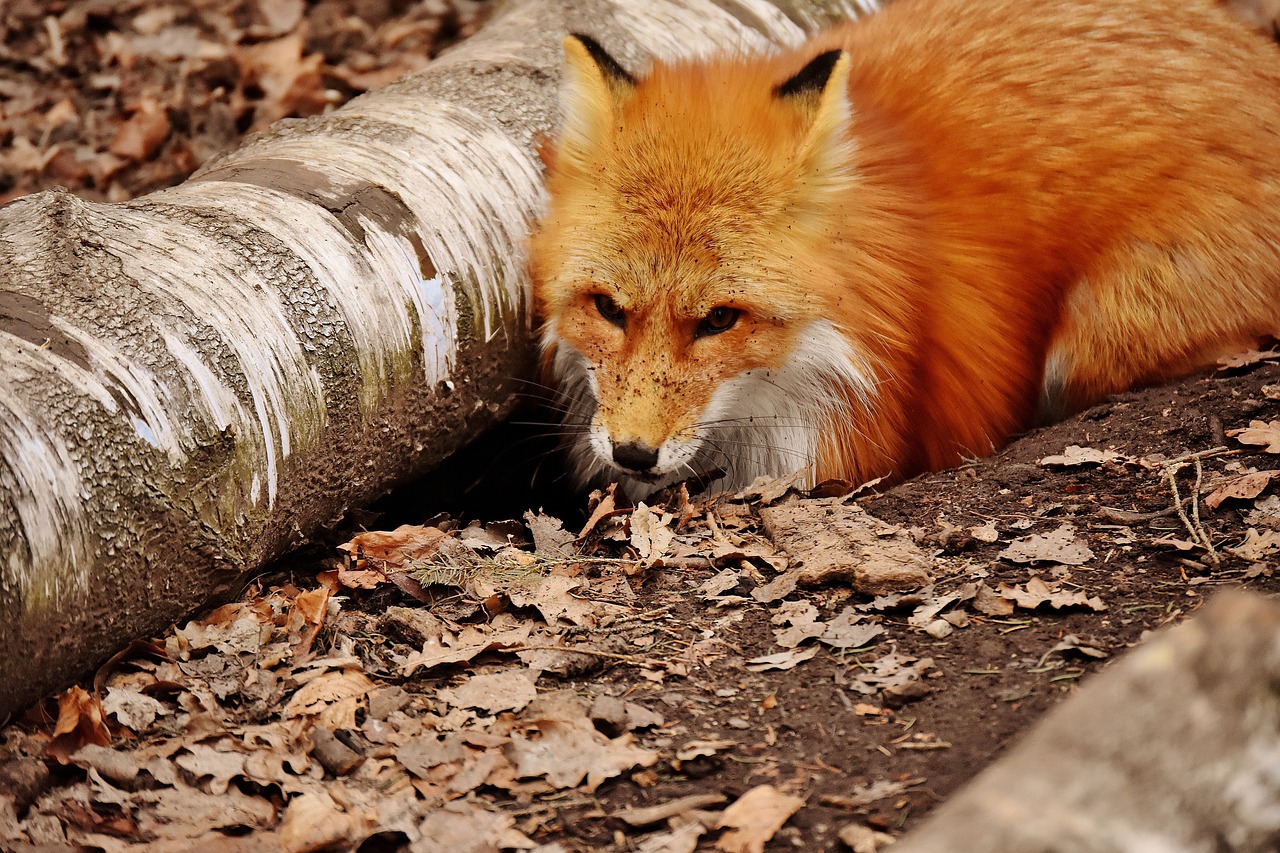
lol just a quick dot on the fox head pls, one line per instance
(691, 306)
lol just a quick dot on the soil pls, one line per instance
(963, 663)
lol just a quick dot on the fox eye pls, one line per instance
(611, 310)
(719, 320)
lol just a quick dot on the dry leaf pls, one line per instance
(550, 539)
(1265, 512)
(768, 490)
(754, 818)
(133, 710)
(314, 821)
(1077, 455)
(890, 671)
(466, 826)
(185, 814)
(650, 535)
(990, 603)
(510, 690)
(1247, 358)
(554, 599)
(683, 838)
(1244, 487)
(218, 766)
(782, 660)
(604, 509)
(80, 721)
(407, 545)
(327, 689)
(872, 792)
(1038, 592)
(848, 630)
(139, 137)
(1257, 545)
(1060, 546)
(828, 540)
(567, 752)
(1259, 433)
(471, 641)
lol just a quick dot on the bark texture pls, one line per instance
(1176, 749)
(192, 382)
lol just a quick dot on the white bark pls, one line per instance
(192, 382)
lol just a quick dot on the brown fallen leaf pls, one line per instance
(466, 644)
(604, 508)
(140, 136)
(1059, 546)
(394, 549)
(1257, 545)
(829, 540)
(308, 612)
(290, 82)
(650, 535)
(1247, 358)
(1077, 455)
(682, 838)
(1037, 592)
(81, 720)
(314, 821)
(467, 826)
(990, 603)
(1261, 433)
(567, 752)
(755, 817)
(848, 630)
(550, 539)
(510, 690)
(1244, 487)
(872, 792)
(890, 671)
(327, 689)
(782, 660)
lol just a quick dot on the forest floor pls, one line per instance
(766, 671)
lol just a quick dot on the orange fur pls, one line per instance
(1001, 207)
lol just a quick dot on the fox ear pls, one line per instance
(822, 88)
(594, 87)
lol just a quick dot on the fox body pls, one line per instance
(906, 241)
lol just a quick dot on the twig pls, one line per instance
(1193, 524)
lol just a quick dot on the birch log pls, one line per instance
(192, 382)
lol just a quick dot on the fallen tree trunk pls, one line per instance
(1176, 749)
(193, 382)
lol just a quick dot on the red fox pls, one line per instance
(906, 241)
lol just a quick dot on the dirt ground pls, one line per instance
(798, 667)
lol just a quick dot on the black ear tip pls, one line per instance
(610, 66)
(811, 79)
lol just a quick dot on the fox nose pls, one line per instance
(635, 456)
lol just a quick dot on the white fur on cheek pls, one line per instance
(769, 422)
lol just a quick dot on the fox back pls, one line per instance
(908, 240)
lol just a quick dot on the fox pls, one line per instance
(904, 242)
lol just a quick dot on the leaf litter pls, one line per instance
(454, 688)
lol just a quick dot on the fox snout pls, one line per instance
(635, 456)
